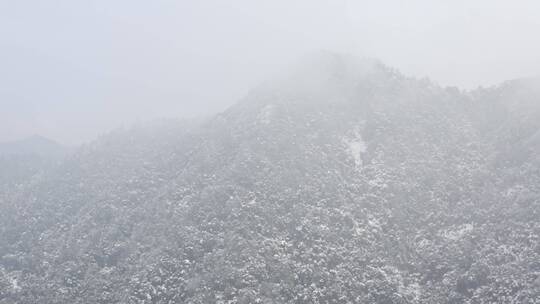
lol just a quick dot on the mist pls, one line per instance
(265, 152)
(73, 70)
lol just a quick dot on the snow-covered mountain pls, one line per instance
(342, 182)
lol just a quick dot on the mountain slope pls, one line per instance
(344, 182)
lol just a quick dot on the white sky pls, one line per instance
(70, 70)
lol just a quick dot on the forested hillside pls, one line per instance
(342, 182)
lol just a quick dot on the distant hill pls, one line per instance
(23, 159)
(33, 145)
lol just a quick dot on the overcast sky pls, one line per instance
(73, 69)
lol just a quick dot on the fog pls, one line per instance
(71, 70)
(263, 152)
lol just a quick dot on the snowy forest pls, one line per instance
(344, 181)
(270, 152)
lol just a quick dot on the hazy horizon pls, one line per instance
(74, 70)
